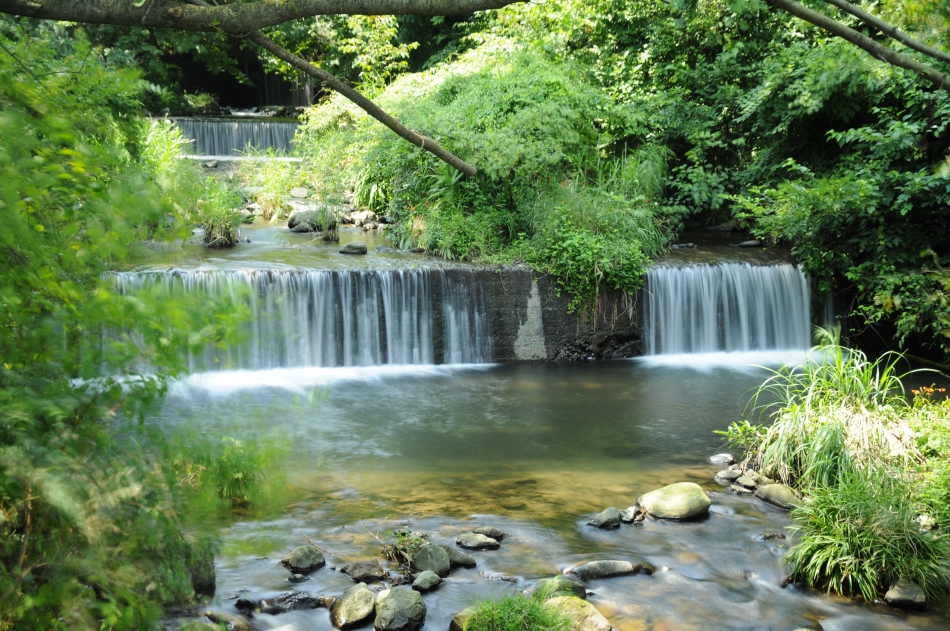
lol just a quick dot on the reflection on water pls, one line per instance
(534, 450)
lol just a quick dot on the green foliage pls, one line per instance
(406, 547)
(517, 613)
(862, 534)
(744, 435)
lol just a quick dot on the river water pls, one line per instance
(534, 449)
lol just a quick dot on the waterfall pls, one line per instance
(337, 318)
(726, 307)
(226, 137)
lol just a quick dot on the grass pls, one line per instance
(517, 613)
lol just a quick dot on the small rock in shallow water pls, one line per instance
(457, 558)
(740, 490)
(683, 500)
(353, 607)
(729, 475)
(905, 594)
(772, 535)
(365, 571)
(354, 247)
(722, 459)
(628, 515)
(752, 243)
(746, 481)
(583, 615)
(303, 560)
(490, 531)
(778, 495)
(297, 578)
(609, 518)
(426, 581)
(475, 541)
(289, 601)
(609, 569)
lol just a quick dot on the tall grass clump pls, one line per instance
(517, 613)
(270, 180)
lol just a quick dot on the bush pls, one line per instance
(862, 534)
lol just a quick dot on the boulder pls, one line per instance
(560, 586)
(457, 558)
(426, 581)
(365, 571)
(722, 459)
(746, 481)
(199, 561)
(431, 558)
(490, 531)
(740, 490)
(906, 594)
(475, 541)
(311, 216)
(299, 192)
(361, 217)
(729, 475)
(778, 495)
(354, 247)
(683, 500)
(583, 615)
(303, 226)
(289, 601)
(304, 560)
(401, 609)
(353, 607)
(609, 569)
(461, 620)
(608, 518)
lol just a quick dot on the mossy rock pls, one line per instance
(683, 500)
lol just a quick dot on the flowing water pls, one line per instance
(231, 137)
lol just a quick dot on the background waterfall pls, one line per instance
(227, 137)
(338, 318)
(726, 307)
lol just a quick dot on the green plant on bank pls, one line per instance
(406, 546)
(271, 179)
(517, 613)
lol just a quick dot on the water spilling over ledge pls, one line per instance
(725, 307)
(338, 318)
(226, 137)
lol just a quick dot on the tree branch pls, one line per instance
(231, 18)
(878, 51)
(890, 30)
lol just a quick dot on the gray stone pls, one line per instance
(457, 558)
(740, 490)
(629, 515)
(722, 459)
(353, 607)
(905, 594)
(297, 578)
(431, 558)
(752, 243)
(199, 562)
(426, 581)
(365, 571)
(729, 475)
(461, 620)
(746, 481)
(608, 518)
(289, 601)
(490, 531)
(401, 609)
(778, 495)
(299, 192)
(583, 615)
(232, 623)
(609, 569)
(354, 247)
(303, 226)
(475, 541)
(304, 560)
(314, 218)
(683, 500)
(560, 586)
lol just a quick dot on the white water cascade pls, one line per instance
(726, 307)
(227, 137)
(338, 318)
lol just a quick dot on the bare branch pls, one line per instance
(877, 50)
(890, 30)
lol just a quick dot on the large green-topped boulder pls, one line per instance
(353, 607)
(401, 609)
(432, 558)
(304, 560)
(559, 586)
(683, 500)
(778, 495)
(583, 615)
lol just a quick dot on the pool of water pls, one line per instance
(534, 449)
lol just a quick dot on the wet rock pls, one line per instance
(303, 227)
(461, 620)
(289, 601)
(231, 623)
(365, 571)
(746, 481)
(683, 246)
(309, 216)
(683, 500)
(426, 581)
(475, 541)
(609, 569)
(722, 459)
(304, 560)
(299, 192)
(752, 243)
(905, 594)
(560, 586)
(778, 495)
(769, 536)
(353, 607)
(629, 515)
(199, 562)
(609, 518)
(401, 609)
(740, 490)
(198, 625)
(490, 531)
(431, 558)
(729, 475)
(457, 558)
(583, 615)
(297, 578)
(354, 247)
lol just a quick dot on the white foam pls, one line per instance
(738, 360)
(227, 382)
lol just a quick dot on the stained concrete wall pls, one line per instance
(529, 321)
